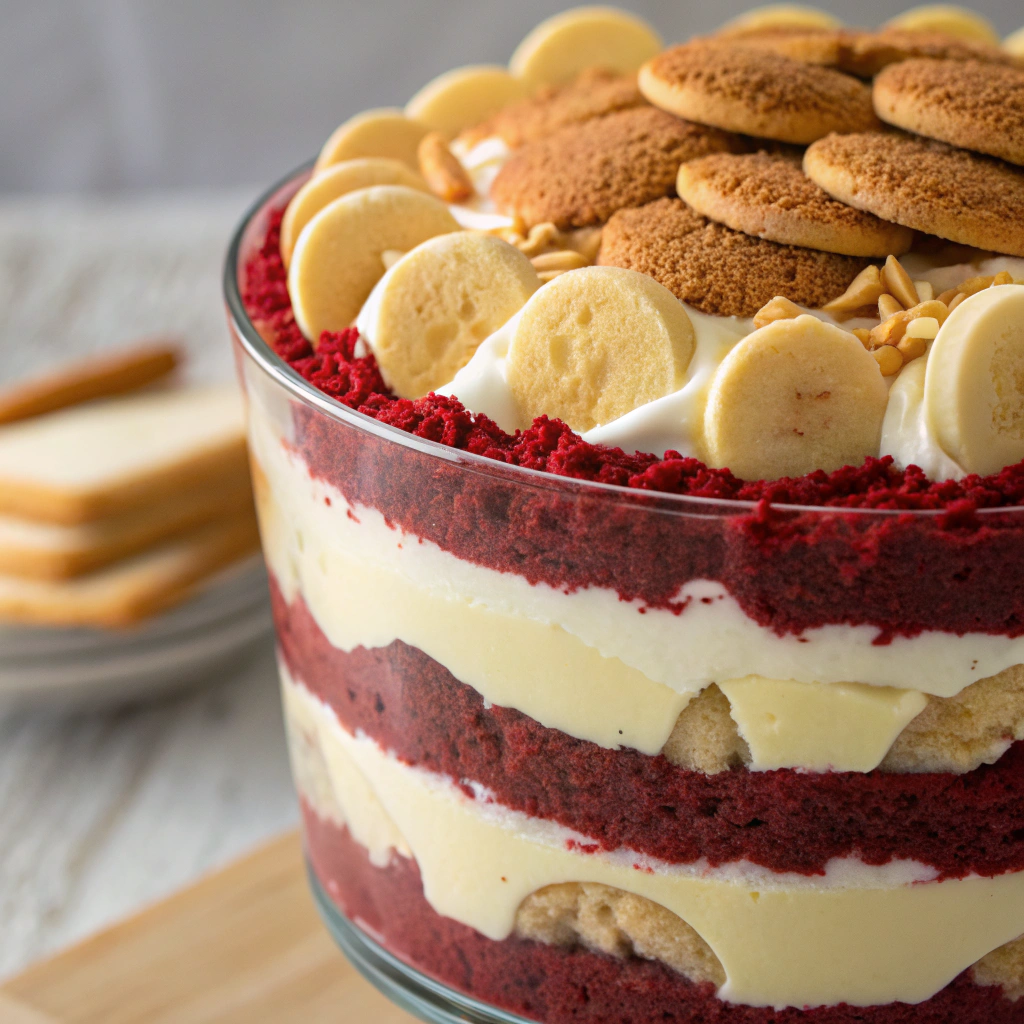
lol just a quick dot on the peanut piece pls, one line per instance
(863, 335)
(889, 360)
(888, 305)
(565, 259)
(912, 347)
(947, 296)
(446, 177)
(1003, 277)
(955, 301)
(973, 285)
(923, 327)
(541, 237)
(779, 308)
(585, 241)
(863, 291)
(896, 281)
(924, 290)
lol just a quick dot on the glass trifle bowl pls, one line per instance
(578, 750)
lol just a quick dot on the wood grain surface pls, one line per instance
(243, 946)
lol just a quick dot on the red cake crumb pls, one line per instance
(576, 986)
(551, 446)
(782, 820)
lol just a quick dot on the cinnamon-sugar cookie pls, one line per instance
(925, 185)
(768, 195)
(967, 103)
(595, 92)
(582, 174)
(756, 92)
(867, 53)
(715, 269)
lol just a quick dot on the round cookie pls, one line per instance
(333, 183)
(562, 46)
(867, 53)
(715, 269)
(591, 94)
(769, 196)
(793, 397)
(384, 132)
(756, 92)
(596, 343)
(966, 103)
(780, 16)
(426, 317)
(583, 173)
(338, 257)
(1014, 43)
(925, 185)
(808, 45)
(463, 97)
(951, 19)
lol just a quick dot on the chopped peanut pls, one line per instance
(889, 360)
(779, 308)
(541, 238)
(1003, 277)
(585, 241)
(888, 305)
(924, 327)
(912, 347)
(896, 281)
(863, 291)
(955, 301)
(973, 285)
(924, 290)
(891, 330)
(565, 259)
(863, 335)
(446, 177)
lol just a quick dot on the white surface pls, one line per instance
(103, 813)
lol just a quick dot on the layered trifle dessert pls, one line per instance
(638, 436)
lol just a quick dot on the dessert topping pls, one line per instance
(464, 97)
(440, 167)
(384, 132)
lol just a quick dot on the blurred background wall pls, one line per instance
(113, 95)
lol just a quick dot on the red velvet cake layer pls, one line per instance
(957, 571)
(560, 986)
(784, 820)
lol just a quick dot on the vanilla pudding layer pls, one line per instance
(600, 669)
(861, 935)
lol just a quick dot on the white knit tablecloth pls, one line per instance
(104, 812)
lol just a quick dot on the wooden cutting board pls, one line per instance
(243, 945)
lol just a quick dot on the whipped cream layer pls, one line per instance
(860, 934)
(613, 672)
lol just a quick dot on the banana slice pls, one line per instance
(558, 49)
(951, 19)
(333, 183)
(974, 381)
(338, 256)
(427, 315)
(383, 132)
(795, 396)
(780, 16)
(464, 97)
(596, 343)
(1014, 43)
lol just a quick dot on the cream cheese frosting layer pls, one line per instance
(711, 640)
(860, 935)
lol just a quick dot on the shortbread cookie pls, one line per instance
(756, 92)
(582, 174)
(338, 257)
(593, 93)
(46, 551)
(769, 196)
(715, 269)
(426, 317)
(925, 185)
(114, 456)
(772, 16)
(383, 132)
(820, 46)
(336, 181)
(967, 103)
(951, 19)
(100, 376)
(558, 49)
(128, 592)
(595, 344)
(793, 397)
(867, 53)
(464, 97)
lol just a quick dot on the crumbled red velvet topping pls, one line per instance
(550, 445)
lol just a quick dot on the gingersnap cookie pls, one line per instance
(867, 53)
(967, 103)
(756, 92)
(582, 174)
(715, 269)
(594, 93)
(768, 195)
(925, 185)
